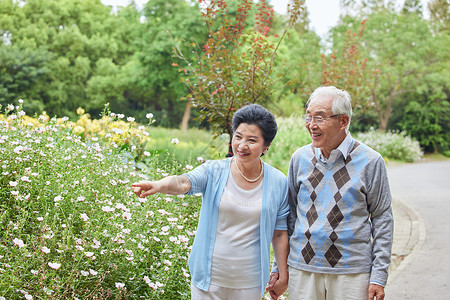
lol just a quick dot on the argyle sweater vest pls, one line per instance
(340, 219)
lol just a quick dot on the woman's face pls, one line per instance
(248, 143)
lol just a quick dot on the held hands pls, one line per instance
(276, 287)
(145, 188)
(376, 292)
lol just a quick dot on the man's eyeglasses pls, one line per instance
(317, 119)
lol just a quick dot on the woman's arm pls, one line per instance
(172, 185)
(280, 244)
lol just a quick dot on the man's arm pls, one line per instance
(379, 202)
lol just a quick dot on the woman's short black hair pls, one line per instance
(255, 114)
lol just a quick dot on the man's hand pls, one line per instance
(276, 287)
(376, 292)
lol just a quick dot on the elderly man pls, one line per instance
(340, 222)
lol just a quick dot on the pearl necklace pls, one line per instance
(250, 180)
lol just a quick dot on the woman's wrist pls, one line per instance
(283, 276)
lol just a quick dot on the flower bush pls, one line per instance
(394, 145)
(70, 226)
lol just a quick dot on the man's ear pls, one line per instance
(344, 121)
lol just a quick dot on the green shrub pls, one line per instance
(392, 145)
(291, 135)
(189, 145)
(71, 228)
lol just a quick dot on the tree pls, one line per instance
(430, 126)
(234, 66)
(297, 66)
(412, 7)
(79, 37)
(440, 14)
(167, 23)
(401, 50)
(21, 70)
(346, 66)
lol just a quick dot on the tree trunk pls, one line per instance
(186, 116)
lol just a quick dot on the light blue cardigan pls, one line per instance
(210, 179)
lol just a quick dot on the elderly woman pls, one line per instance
(244, 208)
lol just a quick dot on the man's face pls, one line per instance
(329, 134)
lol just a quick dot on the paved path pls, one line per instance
(421, 265)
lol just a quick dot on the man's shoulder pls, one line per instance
(306, 150)
(370, 153)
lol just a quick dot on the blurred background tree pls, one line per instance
(65, 54)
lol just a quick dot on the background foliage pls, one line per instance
(61, 55)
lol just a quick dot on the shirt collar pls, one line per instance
(344, 149)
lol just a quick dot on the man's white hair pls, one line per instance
(342, 102)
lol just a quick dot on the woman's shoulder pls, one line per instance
(274, 172)
(218, 164)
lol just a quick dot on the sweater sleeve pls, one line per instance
(198, 178)
(379, 203)
(283, 209)
(292, 192)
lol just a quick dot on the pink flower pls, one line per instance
(15, 193)
(25, 178)
(93, 273)
(126, 216)
(175, 141)
(45, 250)
(84, 217)
(18, 242)
(18, 149)
(108, 209)
(13, 183)
(57, 198)
(185, 272)
(120, 285)
(96, 244)
(54, 265)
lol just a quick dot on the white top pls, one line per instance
(236, 261)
